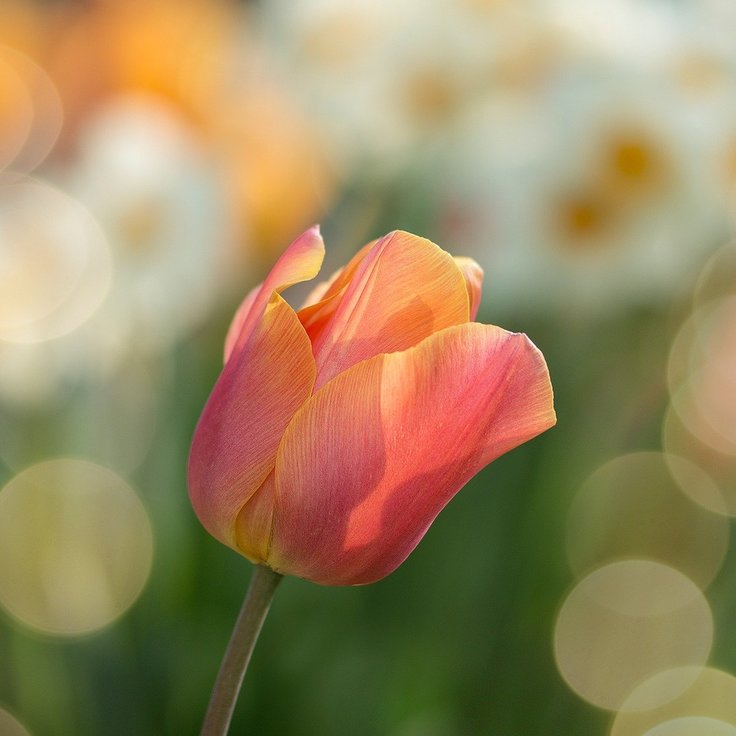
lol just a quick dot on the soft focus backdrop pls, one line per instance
(157, 155)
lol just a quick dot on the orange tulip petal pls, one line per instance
(473, 274)
(234, 447)
(370, 460)
(403, 290)
(301, 261)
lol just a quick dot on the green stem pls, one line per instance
(262, 586)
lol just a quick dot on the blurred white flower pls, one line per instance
(387, 79)
(146, 178)
(613, 199)
(587, 152)
(629, 33)
(116, 265)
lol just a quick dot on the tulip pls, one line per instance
(335, 434)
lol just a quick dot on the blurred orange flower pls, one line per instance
(201, 58)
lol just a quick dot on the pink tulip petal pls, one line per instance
(301, 261)
(473, 274)
(370, 460)
(403, 290)
(261, 386)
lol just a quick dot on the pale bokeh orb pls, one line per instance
(717, 278)
(693, 726)
(702, 374)
(11, 726)
(16, 112)
(55, 266)
(624, 623)
(32, 122)
(76, 547)
(711, 694)
(713, 487)
(632, 507)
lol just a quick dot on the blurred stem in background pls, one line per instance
(257, 601)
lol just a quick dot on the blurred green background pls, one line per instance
(155, 158)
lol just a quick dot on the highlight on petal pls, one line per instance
(301, 261)
(403, 290)
(234, 447)
(473, 274)
(370, 459)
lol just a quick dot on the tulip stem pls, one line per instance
(262, 586)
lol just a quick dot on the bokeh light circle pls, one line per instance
(625, 622)
(632, 507)
(711, 694)
(11, 726)
(693, 726)
(702, 374)
(37, 136)
(16, 113)
(718, 277)
(713, 487)
(76, 546)
(146, 177)
(683, 355)
(55, 265)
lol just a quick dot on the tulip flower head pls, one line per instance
(335, 434)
